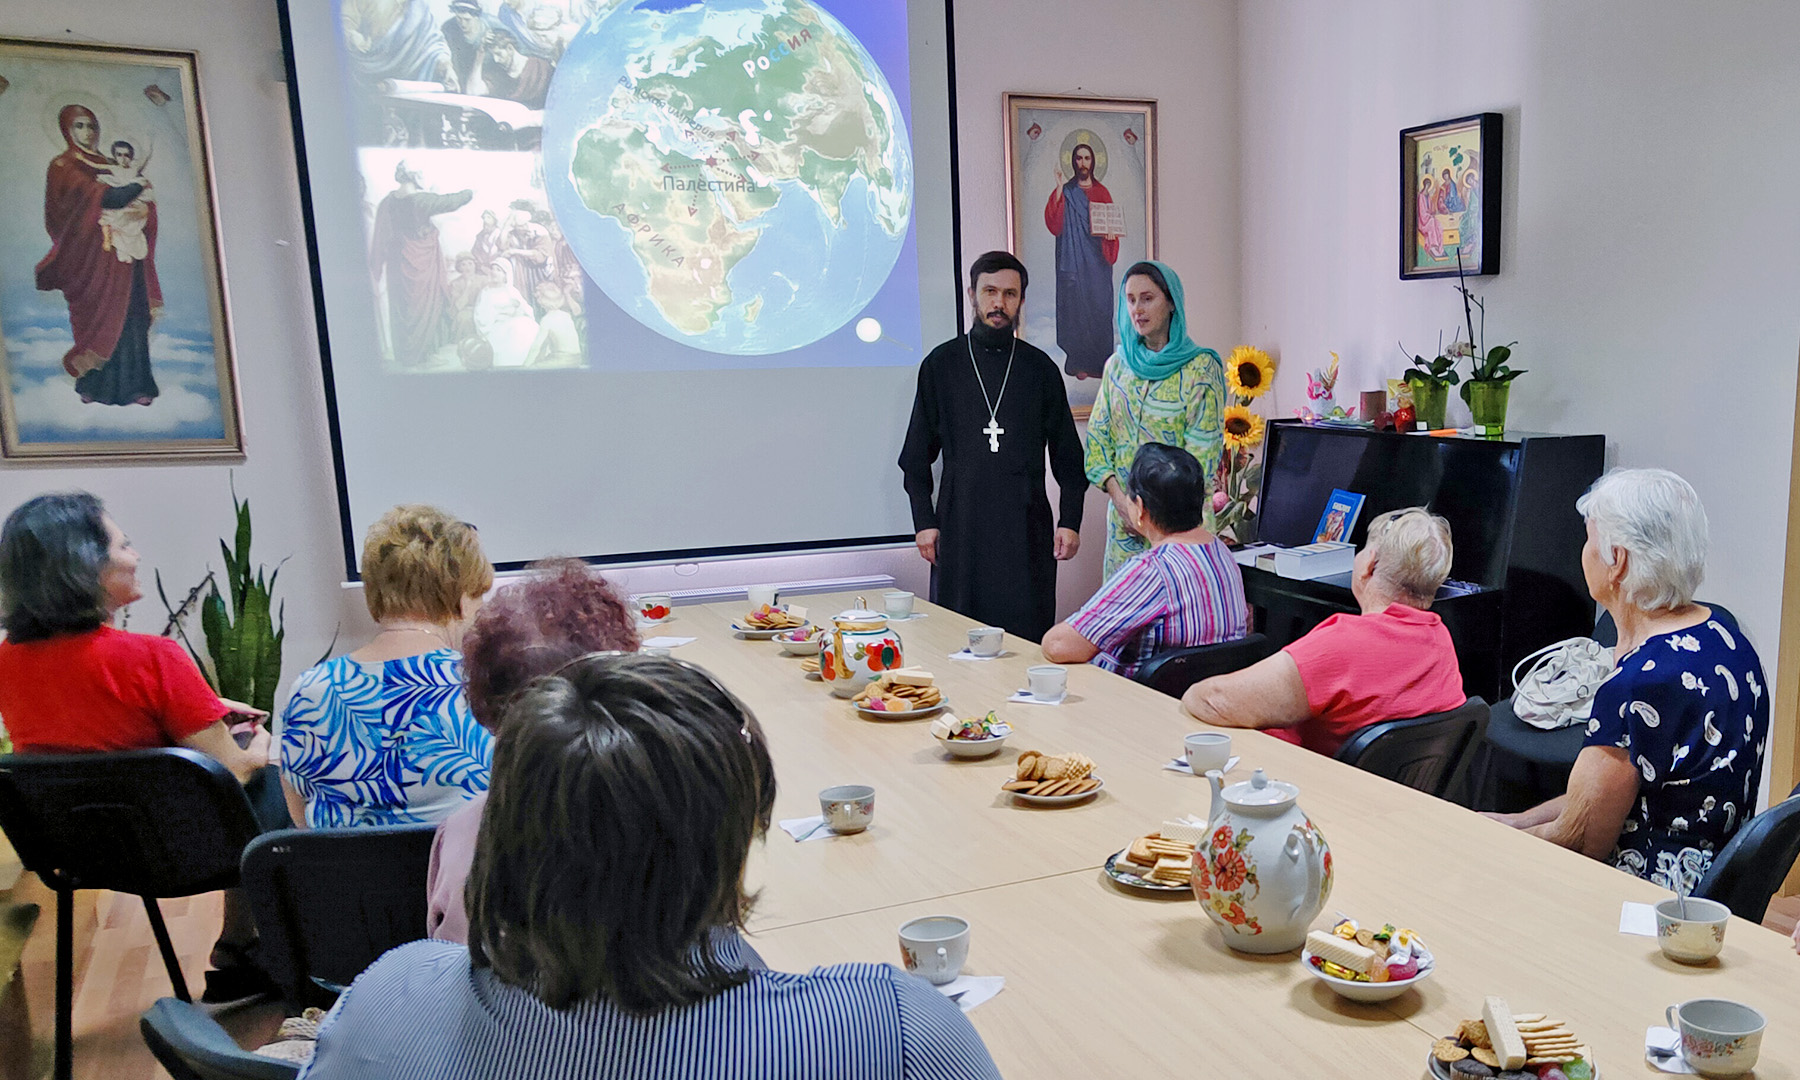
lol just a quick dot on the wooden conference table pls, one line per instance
(1100, 981)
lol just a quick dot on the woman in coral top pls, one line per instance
(71, 682)
(1393, 661)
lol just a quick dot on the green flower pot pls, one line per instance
(1429, 399)
(1487, 401)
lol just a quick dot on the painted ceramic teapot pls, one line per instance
(1264, 871)
(856, 650)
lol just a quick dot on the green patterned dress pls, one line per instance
(1185, 410)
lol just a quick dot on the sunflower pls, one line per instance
(1249, 372)
(1243, 428)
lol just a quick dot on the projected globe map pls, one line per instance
(733, 174)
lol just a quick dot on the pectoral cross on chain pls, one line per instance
(993, 431)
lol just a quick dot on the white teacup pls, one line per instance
(655, 607)
(1695, 939)
(898, 603)
(1047, 681)
(848, 808)
(762, 596)
(935, 947)
(1207, 750)
(987, 641)
(1718, 1037)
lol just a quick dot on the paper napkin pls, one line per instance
(964, 654)
(1026, 697)
(664, 642)
(806, 828)
(1662, 1049)
(1639, 919)
(1180, 765)
(974, 989)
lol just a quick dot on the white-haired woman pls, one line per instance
(1674, 750)
(1392, 661)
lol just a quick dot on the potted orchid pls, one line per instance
(1490, 379)
(1431, 381)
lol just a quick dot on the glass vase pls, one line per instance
(1429, 399)
(1487, 402)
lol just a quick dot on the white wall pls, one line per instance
(1182, 54)
(175, 513)
(1651, 247)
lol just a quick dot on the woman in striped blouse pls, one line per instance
(605, 906)
(1185, 589)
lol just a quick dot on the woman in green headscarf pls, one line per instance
(1158, 387)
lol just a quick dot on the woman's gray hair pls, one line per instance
(1412, 552)
(1656, 516)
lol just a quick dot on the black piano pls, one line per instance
(1515, 584)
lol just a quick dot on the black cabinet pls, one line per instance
(1511, 507)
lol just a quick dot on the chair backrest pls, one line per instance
(192, 1046)
(165, 822)
(1424, 753)
(1172, 672)
(1754, 863)
(329, 902)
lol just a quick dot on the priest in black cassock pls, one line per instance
(992, 405)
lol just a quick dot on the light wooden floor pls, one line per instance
(118, 974)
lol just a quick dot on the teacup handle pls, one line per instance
(943, 956)
(1672, 1018)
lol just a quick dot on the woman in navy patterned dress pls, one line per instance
(1674, 749)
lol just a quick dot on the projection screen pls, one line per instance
(627, 279)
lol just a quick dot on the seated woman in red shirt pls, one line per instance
(1391, 662)
(71, 682)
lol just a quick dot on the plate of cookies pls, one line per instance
(767, 621)
(1504, 1045)
(1053, 779)
(1162, 862)
(1366, 963)
(810, 668)
(900, 694)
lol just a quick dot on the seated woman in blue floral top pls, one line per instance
(384, 735)
(1674, 748)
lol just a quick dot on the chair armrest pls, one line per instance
(201, 1048)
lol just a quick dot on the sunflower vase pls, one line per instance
(856, 650)
(1263, 872)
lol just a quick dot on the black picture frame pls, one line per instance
(1433, 252)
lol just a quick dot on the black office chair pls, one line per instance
(192, 1046)
(1426, 753)
(151, 823)
(1754, 862)
(1519, 766)
(329, 902)
(1172, 672)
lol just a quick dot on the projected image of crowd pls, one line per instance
(471, 270)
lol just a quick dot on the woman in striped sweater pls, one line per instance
(605, 905)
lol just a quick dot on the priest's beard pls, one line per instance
(989, 336)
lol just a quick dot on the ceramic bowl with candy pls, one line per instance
(971, 738)
(803, 642)
(1367, 963)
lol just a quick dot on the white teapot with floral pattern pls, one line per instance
(1263, 870)
(856, 650)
